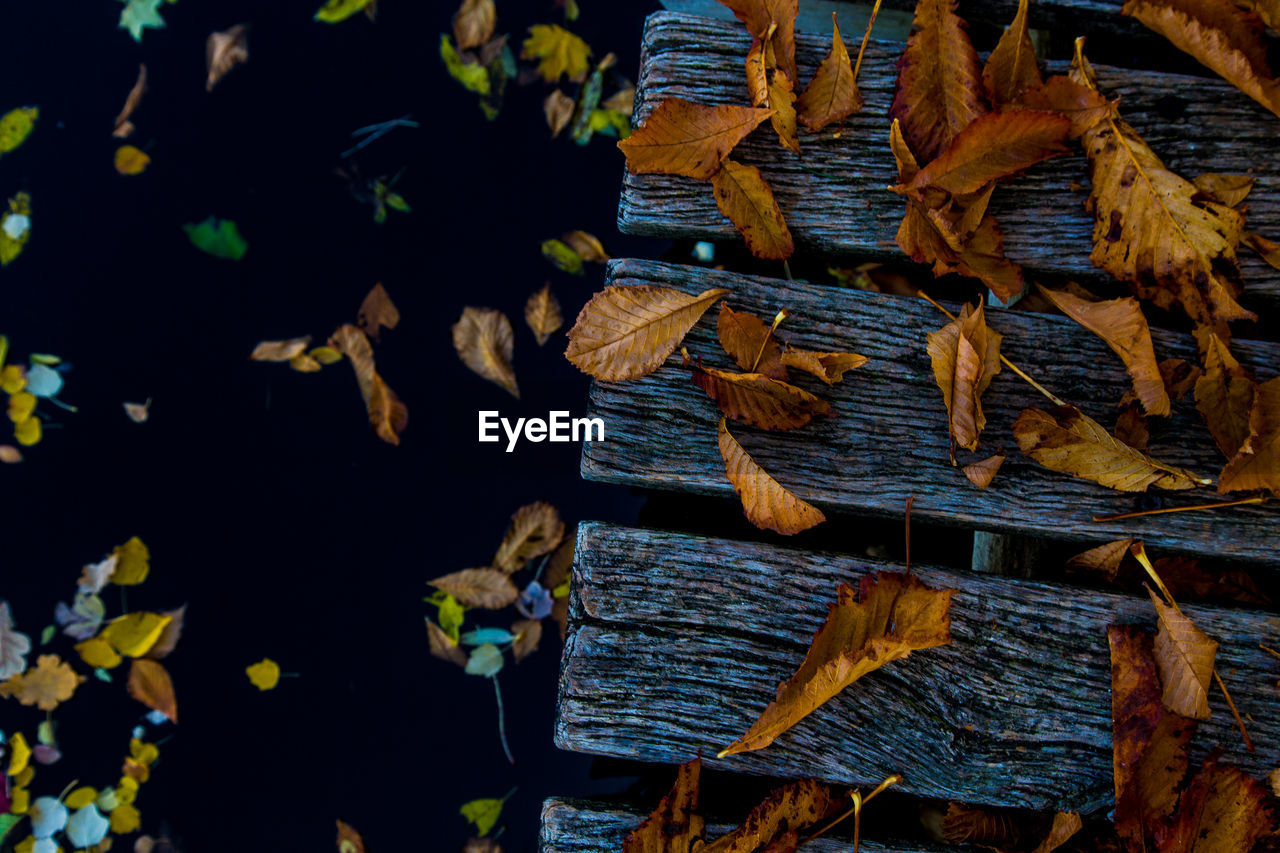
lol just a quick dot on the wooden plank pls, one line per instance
(814, 16)
(834, 195)
(579, 826)
(886, 438)
(677, 643)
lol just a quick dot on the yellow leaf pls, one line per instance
(80, 797)
(280, 350)
(46, 685)
(484, 340)
(765, 501)
(134, 635)
(683, 138)
(15, 126)
(12, 379)
(473, 76)
(125, 819)
(339, 10)
(131, 160)
(15, 228)
(97, 652)
(28, 432)
(19, 754)
(558, 51)
(744, 197)
(133, 563)
(542, 313)
(325, 355)
(21, 405)
(265, 674)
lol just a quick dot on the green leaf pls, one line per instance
(562, 256)
(483, 813)
(613, 123)
(562, 590)
(487, 635)
(15, 126)
(485, 660)
(47, 634)
(4, 349)
(139, 15)
(8, 822)
(474, 77)
(102, 675)
(395, 201)
(44, 358)
(44, 733)
(218, 237)
(339, 10)
(450, 615)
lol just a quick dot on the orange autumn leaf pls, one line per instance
(46, 685)
(1184, 656)
(542, 313)
(535, 529)
(782, 100)
(1011, 68)
(939, 90)
(982, 473)
(131, 160)
(124, 127)
(1221, 36)
(891, 616)
(750, 342)
(965, 356)
(760, 16)
(674, 825)
(1224, 394)
(150, 684)
(830, 367)
(280, 350)
(491, 589)
(832, 95)
(224, 51)
(1065, 824)
(788, 809)
(387, 415)
(683, 138)
(743, 196)
(349, 841)
(758, 400)
(760, 59)
(527, 633)
(625, 332)
(767, 504)
(994, 146)
(1228, 189)
(1104, 560)
(1082, 106)
(1222, 809)
(1256, 465)
(377, 311)
(1065, 440)
(1120, 322)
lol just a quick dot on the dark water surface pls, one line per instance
(268, 505)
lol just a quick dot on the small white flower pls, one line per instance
(87, 827)
(47, 817)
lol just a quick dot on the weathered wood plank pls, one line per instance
(886, 438)
(677, 643)
(577, 826)
(834, 195)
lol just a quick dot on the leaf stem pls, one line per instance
(1248, 744)
(1007, 363)
(1269, 650)
(778, 318)
(1219, 505)
(865, 38)
(502, 723)
(859, 801)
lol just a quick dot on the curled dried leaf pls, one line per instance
(683, 138)
(785, 811)
(535, 529)
(1256, 465)
(765, 501)
(443, 646)
(830, 367)
(674, 825)
(779, 16)
(558, 110)
(995, 828)
(966, 356)
(750, 342)
(224, 51)
(758, 400)
(473, 23)
(1224, 394)
(484, 341)
(377, 311)
(1104, 560)
(491, 589)
(280, 350)
(982, 473)
(528, 633)
(387, 415)
(124, 127)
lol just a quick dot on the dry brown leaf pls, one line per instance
(169, 635)
(535, 529)
(528, 633)
(1120, 322)
(481, 845)
(1179, 376)
(1221, 36)
(484, 341)
(743, 196)
(124, 127)
(280, 350)
(832, 95)
(473, 23)
(542, 313)
(623, 101)
(788, 809)
(1156, 230)
(46, 685)
(442, 645)
(1104, 559)
(759, 16)
(491, 589)
(377, 311)
(758, 400)
(1065, 824)
(830, 367)
(1221, 810)
(1268, 250)
(765, 501)
(1256, 465)
(994, 828)
(1228, 189)
(1184, 655)
(558, 109)
(1224, 394)
(782, 100)
(1135, 713)
(965, 356)
(750, 342)
(387, 415)
(150, 684)
(1082, 106)
(760, 59)
(1011, 68)
(892, 616)
(982, 473)
(139, 413)
(625, 332)
(224, 51)
(674, 826)
(1184, 576)
(1066, 440)
(349, 840)
(996, 145)
(586, 245)
(1131, 424)
(939, 90)
(683, 138)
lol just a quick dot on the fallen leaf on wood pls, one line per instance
(1066, 440)
(891, 616)
(750, 342)
(528, 633)
(535, 529)
(674, 826)
(758, 400)
(760, 60)
(1268, 250)
(443, 646)
(1011, 68)
(1224, 394)
(766, 502)
(473, 23)
(1221, 36)
(994, 828)
(832, 95)
(1065, 824)
(788, 809)
(966, 356)
(124, 127)
(625, 332)
(760, 15)
(994, 146)
(1104, 560)
(224, 51)
(1184, 655)
(743, 196)
(377, 311)
(1121, 323)
(542, 313)
(1179, 376)
(683, 138)
(559, 52)
(491, 589)
(982, 473)
(387, 415)
(150, 684)
(782, 100)
(1256, 465)
(939, 91)
(1228, 189)
(46, 685)
(830, 367)
(1083, 107)
(1156, 230)
(1222, 809)
(484, 341)
(1184, 576)
(1131, 423)
(558, 109)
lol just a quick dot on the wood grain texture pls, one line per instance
(580, 826)
(677, 643)
(834, 194)
(886, 437)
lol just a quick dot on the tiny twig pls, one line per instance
(910, 500)
(865, 38)
(786, 270)
(1269, 650)
(777, 320)
(857, 809)
(1219, 505)
(1007, 363)
(1248, 744)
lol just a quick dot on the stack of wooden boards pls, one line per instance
(677, 642)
